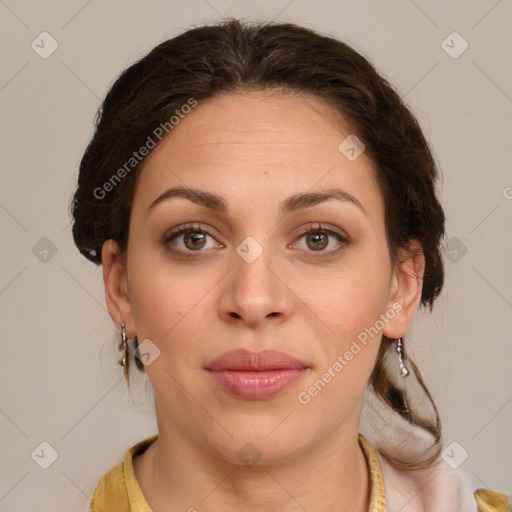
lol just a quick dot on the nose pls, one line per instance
(255, 293)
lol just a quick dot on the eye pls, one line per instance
(192, 238)
(318, 237)
(189, 238)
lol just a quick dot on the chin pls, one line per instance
(260, 442)
(260, 453)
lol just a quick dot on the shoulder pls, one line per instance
(118, 489)
(110, 493)
(438, 488)
(492, 501)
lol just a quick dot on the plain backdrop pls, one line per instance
(60, 383)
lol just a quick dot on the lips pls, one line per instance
(244, 360)
(255, 375)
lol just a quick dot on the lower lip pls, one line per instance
(254, 385)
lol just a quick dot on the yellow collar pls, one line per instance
(119, 491)
(138, 502)
(377, 494)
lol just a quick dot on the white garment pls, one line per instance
(436, 489)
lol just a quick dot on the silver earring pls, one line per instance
(404, 372)
(123, 345)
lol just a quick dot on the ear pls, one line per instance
(405, 290)
(116, 287)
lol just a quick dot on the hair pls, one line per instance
(235, 56)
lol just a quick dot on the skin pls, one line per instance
(256, 149)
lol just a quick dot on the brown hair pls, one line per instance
(233, 55)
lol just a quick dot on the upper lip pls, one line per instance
(244, 360)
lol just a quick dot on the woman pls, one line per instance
(263, 205)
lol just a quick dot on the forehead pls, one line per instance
(255, 119)
(254, 143)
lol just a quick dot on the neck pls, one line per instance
(177, 473)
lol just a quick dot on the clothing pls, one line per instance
(438, 488)
(119, 491)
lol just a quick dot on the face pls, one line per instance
(255, 265)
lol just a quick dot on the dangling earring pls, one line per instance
(404, 372)
(123, 345)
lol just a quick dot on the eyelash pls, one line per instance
(196, 228)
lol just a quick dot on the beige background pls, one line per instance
(59, 379)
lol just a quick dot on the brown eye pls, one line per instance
(189, 239)
(318, 238)
(194, 240)
(317, 241)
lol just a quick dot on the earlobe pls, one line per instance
(116, 290)
(407, 285)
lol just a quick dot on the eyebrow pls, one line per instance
(217, 203)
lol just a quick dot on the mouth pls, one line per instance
(255, 376)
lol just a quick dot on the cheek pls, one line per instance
(349, 302)
(168, 306)
(349, 306)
